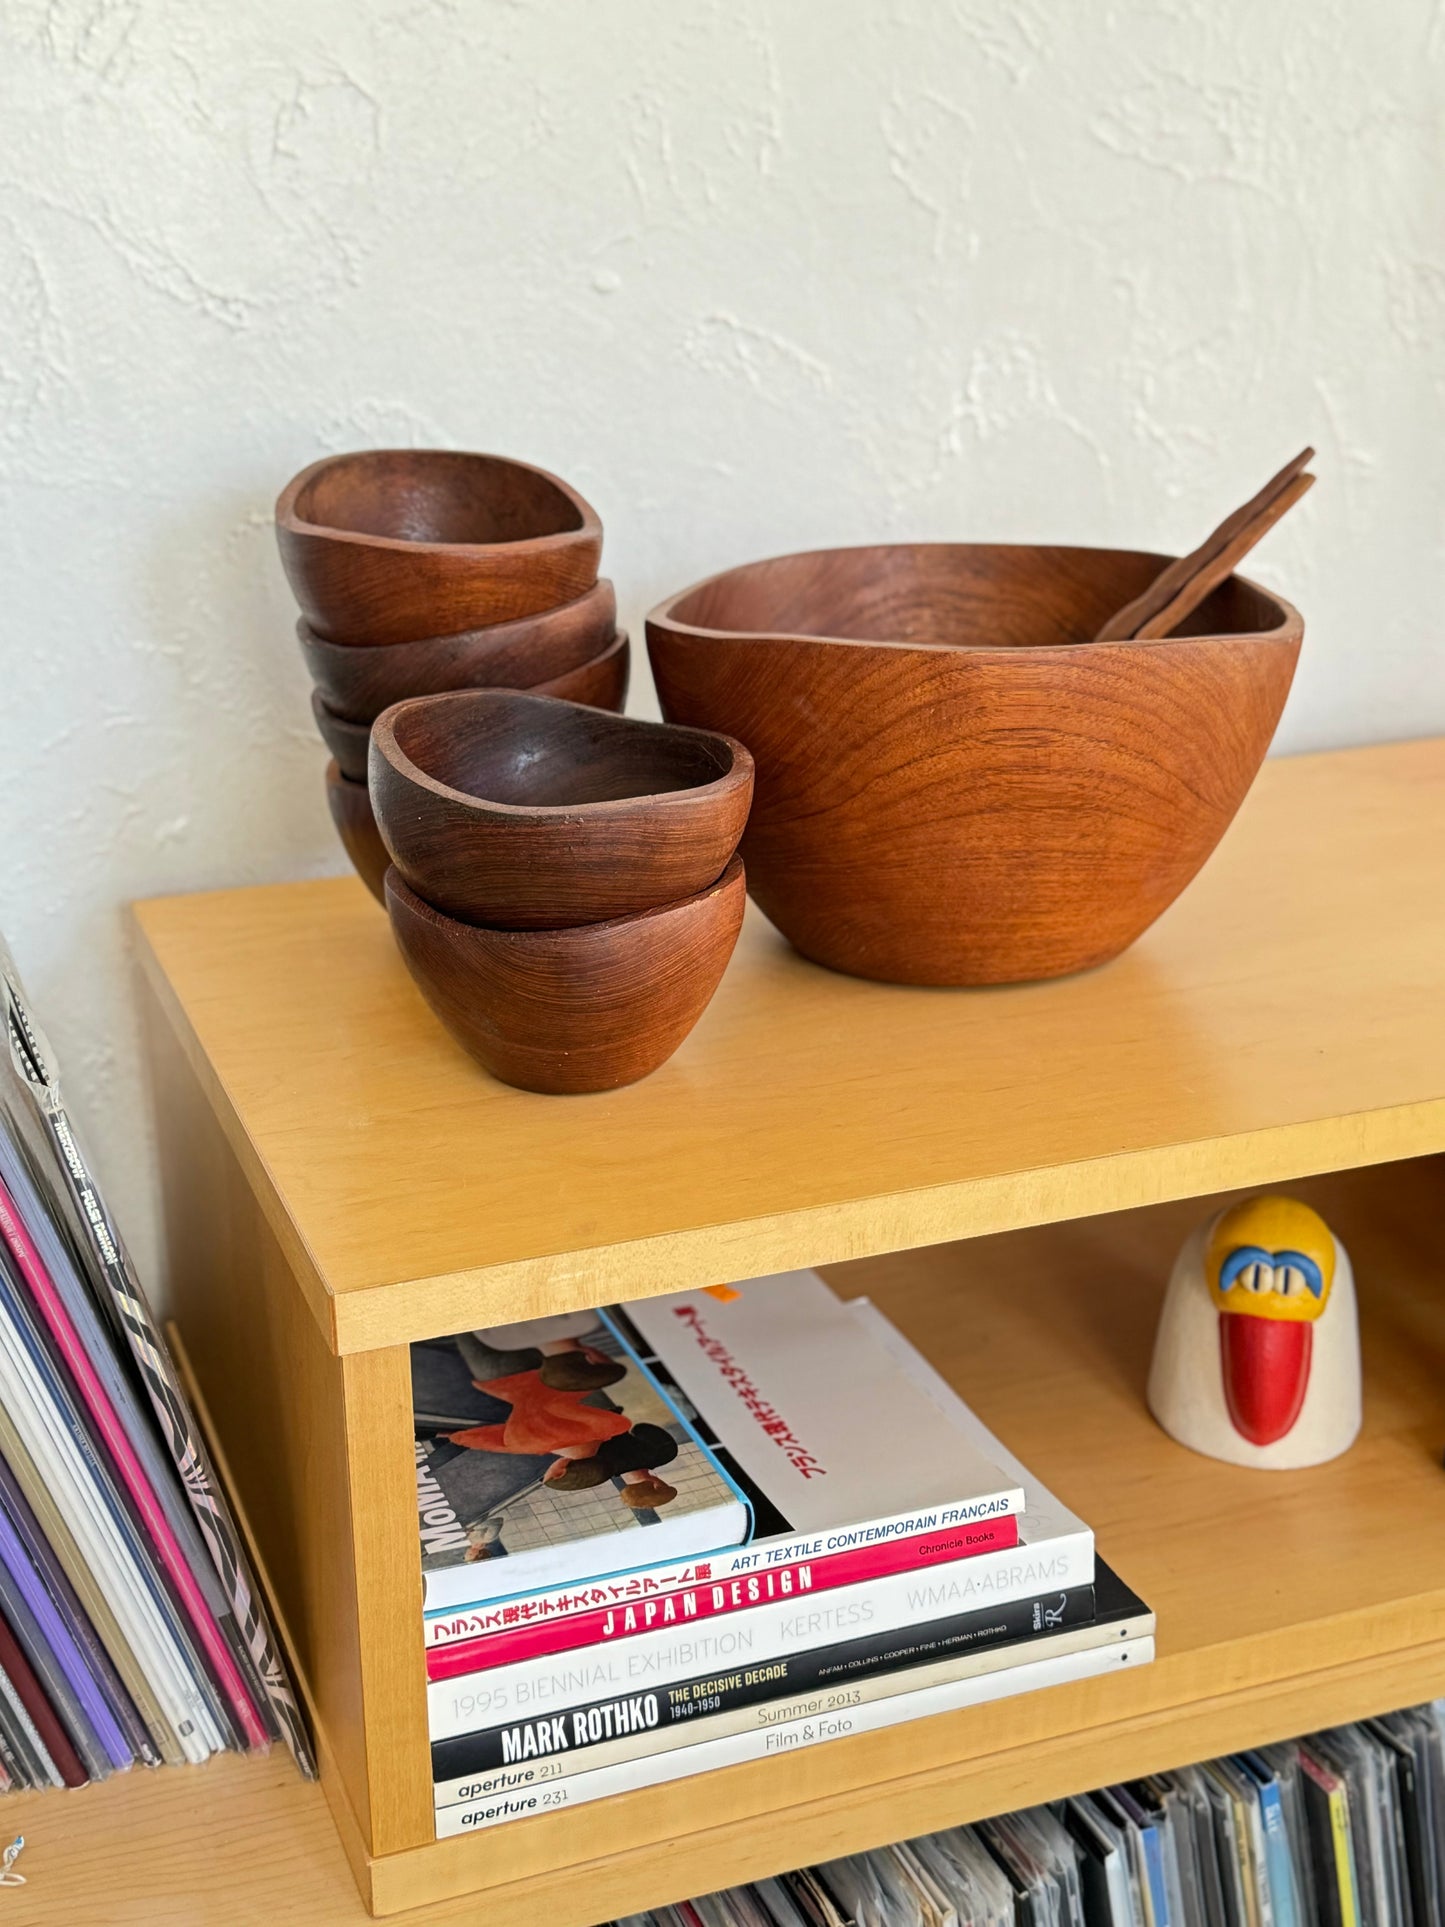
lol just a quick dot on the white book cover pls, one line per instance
(655, 1769)
(1041, 1516)
(816, 1410)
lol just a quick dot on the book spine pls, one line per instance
(41, 1406)
(762, 1633)
(534, 1637)
(730, 1750)
(1344, 1857)
(532, 1751)
(119, 1291)
(43, 1716)
(1277, 1854)
(41, 1216)
(24, 1737)
(55, 1659)
(107, 1423)
(464, 1619)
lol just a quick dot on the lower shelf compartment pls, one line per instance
(1284, 1602)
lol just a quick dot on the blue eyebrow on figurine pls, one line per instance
(1245, 1256)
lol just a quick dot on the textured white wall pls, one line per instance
(756, 275)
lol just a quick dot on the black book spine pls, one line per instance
(576, 1727)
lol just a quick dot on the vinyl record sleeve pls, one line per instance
(147, 1733)
(30, 1070)
(49, 1268)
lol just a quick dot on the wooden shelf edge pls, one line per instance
(420, 1308)
(347, 1825)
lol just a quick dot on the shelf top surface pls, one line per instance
(1284, 1016)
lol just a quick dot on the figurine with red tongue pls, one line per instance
(1257, 1358)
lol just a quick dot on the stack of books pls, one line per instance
(1344, 1829)
(130, 1627)
(720, 1525)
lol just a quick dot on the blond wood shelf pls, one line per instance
(1283, 1017)
(1285, 1601)
(340, 1180)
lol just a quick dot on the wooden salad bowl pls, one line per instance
(565, 1011)
(390, 544)
(350, 807)
(600, 684)
(532, 814)
(357, 684)
(954, 786)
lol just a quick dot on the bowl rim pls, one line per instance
(385, 748)
(1290, 627)
(602, 591)
(732, 876)
(589, 524)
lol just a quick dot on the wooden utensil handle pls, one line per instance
(1137, 618)
(1221, 566)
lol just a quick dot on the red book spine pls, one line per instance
(32, 1698)
(534, 1638)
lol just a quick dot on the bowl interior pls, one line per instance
(954, 594)
(436, 495)
(534, 753)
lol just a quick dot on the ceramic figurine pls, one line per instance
(1257, 1358)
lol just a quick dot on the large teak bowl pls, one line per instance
(533, 814)
(395, 543)
(357, 684)
(565, 1011)
(600, 684)
(954, 786)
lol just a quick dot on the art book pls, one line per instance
(774, 1389)
(545, 1452)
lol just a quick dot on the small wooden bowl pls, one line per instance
(564, 1011)
(390, 544)
(600, 684)
(350, 807)
(954, 785)
(357, 684)
(531, 814)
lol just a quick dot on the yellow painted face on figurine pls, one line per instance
(1271, 1258)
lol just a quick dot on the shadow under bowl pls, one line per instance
(954, 785)
(358, 683)
(599, 684)
(527, 813)
(389, 544)
(350, 807)
(567, 1011)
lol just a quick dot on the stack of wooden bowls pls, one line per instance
(426, 570)
(564, 886)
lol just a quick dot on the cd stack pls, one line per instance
(130, 1627)
(717, 1526)
(1339, 1830)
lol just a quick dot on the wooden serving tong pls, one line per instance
(1180, 588)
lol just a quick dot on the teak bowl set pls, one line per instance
(422, 570)
(975, 764)
(563, 887)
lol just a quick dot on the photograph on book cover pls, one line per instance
(536, 1441)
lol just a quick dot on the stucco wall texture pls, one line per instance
(756, 275)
